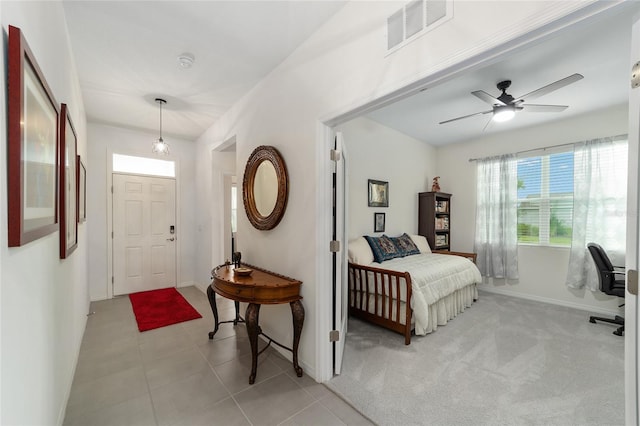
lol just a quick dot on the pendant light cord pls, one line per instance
(160, 101)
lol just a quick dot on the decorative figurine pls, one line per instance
(236, 257)
(435, 186)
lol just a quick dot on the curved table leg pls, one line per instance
(297, 312)
(251, 321)
(212, 301)
(237, 319)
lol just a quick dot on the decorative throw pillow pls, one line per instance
(421, 242)
(405, 245)
(360, 252)
(383, 248)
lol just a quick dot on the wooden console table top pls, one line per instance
(262, 286)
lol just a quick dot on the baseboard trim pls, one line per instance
(201, 287)
(566, 304)
(306, 368)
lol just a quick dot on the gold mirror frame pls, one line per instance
(260, 154)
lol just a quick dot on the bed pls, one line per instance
(438, 285)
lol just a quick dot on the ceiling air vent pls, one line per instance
(416, 18)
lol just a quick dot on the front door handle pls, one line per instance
(171, 239)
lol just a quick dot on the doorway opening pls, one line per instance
(358, 209)
(230, 214)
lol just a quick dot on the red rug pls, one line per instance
(159, 308)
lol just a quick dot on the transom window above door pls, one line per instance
(143, 166)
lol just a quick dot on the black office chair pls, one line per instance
(611, 283)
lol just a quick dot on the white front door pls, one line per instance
(144, 233)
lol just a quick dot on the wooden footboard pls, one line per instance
(374, 297)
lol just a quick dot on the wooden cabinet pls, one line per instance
(434, 219)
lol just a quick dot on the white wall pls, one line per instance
(379, 152)
(542, 269)
(105, 140)
(44, 300)
(341, 68)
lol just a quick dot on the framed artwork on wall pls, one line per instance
(32, 146)
(68, 178)
(82, 191)
(378, 222)
(378, 193)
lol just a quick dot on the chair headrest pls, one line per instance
(600, 257)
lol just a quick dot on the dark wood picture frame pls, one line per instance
(82, 191)
(378, 193)
(68, 178)
(32, 146)
(378, 222)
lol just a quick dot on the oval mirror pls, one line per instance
(265, 187)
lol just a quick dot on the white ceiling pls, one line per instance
(126, 54)
(599, 50)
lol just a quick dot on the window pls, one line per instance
(234, 209)
(143, 165)
(545, 199)
(545, 191)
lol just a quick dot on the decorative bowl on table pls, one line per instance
(243, 272)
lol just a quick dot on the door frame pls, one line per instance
(227, 183)
(109, 195)
(219, 168)
(632, 261)
(325, 127)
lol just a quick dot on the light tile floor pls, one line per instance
(176, 376)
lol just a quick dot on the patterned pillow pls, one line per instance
(405, 245)
(383, 248)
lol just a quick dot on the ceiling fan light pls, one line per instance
(503, 113)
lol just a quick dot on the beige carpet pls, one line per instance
(504, 361)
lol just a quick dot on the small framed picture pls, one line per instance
(68, 180)
(378, 222)
(378, 193)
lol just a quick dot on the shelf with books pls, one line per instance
(441, 206)
(442, 223)
(434, 218)
(441, 241)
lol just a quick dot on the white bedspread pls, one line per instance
(433, 277)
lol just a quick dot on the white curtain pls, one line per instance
(496, 241)
(599, 206)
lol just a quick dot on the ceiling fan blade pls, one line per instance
(465, 116)
(550, 87)
(544, 108)
(487, 98)
(486, 126)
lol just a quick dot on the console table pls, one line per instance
(262, 287)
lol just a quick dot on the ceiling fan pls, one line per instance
(505, 105)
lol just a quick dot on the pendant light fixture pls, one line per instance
(159, 146)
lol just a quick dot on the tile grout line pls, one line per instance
(146, 379)
(223, 384)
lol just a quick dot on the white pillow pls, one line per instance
(421, 242)
(360, 252)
